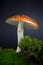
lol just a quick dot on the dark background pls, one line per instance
(8, 33)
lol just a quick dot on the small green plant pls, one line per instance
(31, 47)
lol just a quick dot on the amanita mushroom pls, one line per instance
(22, 22)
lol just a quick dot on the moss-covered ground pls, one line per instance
(10, 57)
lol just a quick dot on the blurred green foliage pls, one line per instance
(32, 48)
(31, 53)
(10, 57)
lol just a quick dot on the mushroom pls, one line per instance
(23, 22)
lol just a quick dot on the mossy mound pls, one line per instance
(10, 57)
(31, 53)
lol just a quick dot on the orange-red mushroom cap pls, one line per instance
(29, 23)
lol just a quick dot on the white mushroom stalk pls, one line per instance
(22, 22)
(20, 35)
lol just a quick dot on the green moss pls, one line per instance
(10, 57)
(31, 49)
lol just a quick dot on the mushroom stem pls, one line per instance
(20, 31)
